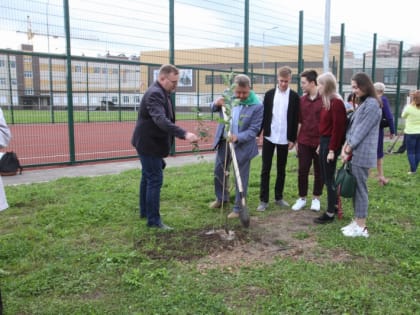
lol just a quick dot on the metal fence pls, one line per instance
(71, 87)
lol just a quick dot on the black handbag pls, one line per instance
(345, 182)
(384, 123)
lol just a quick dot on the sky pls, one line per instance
(132, 26)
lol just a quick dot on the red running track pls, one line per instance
(38, 144)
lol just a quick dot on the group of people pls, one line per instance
(316, 124)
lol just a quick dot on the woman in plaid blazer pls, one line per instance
(360, 146)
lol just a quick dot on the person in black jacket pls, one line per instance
(153, 137)
(279, 126)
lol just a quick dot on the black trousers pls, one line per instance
(328, 169)
(267, 159)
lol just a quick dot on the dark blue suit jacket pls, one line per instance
(155, 128)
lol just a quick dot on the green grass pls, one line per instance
(76, 246)
(61, 116)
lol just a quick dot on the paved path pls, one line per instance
(44, 175)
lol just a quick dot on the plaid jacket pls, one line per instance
(362, 135)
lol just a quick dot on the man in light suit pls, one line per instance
(246, 120)
(280, 124)
(153, 137)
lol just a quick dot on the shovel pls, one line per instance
(244, 213)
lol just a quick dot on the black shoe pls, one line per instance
(161, 226)
(324, 218)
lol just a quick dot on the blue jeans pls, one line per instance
(150, 185)
(413, 151)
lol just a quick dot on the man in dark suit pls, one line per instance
(153, 137)
(280, 124)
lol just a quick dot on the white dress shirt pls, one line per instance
(279, 121)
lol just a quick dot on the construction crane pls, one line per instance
(31, 34)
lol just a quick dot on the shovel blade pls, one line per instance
(244, 217)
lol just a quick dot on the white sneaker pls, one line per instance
(356, 231)
(299, 204)
(262, 206)
(349, 226)
(315, 205)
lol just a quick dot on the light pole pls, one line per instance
(263, 49)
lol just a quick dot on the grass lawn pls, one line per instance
(77, 246)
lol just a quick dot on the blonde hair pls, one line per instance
(329, 82)
(284, 72)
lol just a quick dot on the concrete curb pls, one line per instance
(98, 169)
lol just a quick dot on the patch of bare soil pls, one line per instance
(283, 233)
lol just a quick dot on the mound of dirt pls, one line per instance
(282, 233)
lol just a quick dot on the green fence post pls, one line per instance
(87, 91)
(69, 83)
(119, 91)
(172, 56)
(373, 74)
(246, 37)
(300, 51)
(51, 89)
(12, 116)
(198, 91)
(397, 104)
(341, 72)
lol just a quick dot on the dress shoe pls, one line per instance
(217, 204)
(282, 203)
(262, 206)
(233, 215)
(324, 218)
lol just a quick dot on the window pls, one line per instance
(126, 99)
(114, 71)
(104, 70)
(217, 79)
(2, 81)
(115, 99)
(29, 92)
(136, 99)
(2, 63)
(27, 74)
(391, 76)
(12, 64)
(14, 82)
(77, 68)
(96, 70)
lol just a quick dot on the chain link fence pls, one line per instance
(72, 74)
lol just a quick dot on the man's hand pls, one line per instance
(291, 145)
(191, 137)
(233, 138)
(219, 102)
